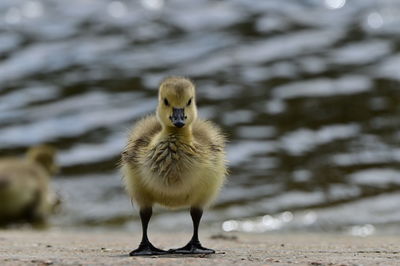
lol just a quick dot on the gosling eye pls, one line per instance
(166, 102)
(189, 102)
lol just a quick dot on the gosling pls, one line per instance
(25, 193)
(176, 160)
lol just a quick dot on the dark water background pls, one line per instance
(307, 91)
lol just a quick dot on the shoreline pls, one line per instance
(28, 247)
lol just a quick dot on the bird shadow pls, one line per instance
(170, 256)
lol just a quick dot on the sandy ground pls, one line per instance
(111, 248)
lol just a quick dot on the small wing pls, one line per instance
(140, 137)
(207, 134)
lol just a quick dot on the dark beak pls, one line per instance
(178, 117)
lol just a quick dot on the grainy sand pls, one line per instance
(111, 248)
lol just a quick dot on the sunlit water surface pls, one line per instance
(307, 92)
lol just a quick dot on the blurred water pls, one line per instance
(306, 90)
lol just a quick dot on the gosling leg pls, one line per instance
(146, 248)
(194, 246)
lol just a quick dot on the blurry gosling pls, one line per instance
(25, 193)
(174, 159)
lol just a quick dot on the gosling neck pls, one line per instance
(182, 134)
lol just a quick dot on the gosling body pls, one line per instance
(25, 192)
(174, 170)
(174, 158)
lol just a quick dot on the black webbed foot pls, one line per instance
(147, 249)
(192, 248)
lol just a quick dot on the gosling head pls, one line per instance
(44, 155)
(176, 103)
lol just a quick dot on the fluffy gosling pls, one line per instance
(174, 159)
(25, 194)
